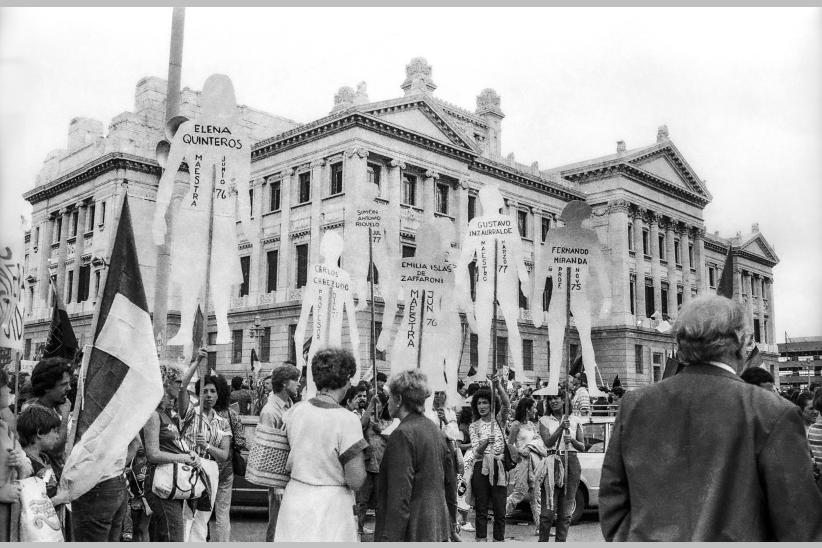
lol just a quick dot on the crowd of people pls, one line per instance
(425, 465)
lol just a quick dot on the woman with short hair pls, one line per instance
(326, 460)
(417, 495)
(529, 472)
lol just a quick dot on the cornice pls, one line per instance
(719, 247)
(641, 176)
(683, 169)
(489, 167)
(109, 162)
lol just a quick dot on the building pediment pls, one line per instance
(758, 246)
(666, 162)
(421, 115)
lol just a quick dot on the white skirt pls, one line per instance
(316, 514)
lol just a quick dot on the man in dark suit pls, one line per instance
(417, 495)
(703, 456)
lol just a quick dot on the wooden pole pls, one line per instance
(17, 401)
(373, 324)
(422, 324)
(567, 403)
(494, 345)
(206, 289)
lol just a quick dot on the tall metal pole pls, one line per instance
(175, 63)
(567, 403)
(494, 345)
(373, 325)
(206, 289)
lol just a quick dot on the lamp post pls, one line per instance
(257, 332)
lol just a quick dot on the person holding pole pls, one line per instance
(14, 464)
(489, 481)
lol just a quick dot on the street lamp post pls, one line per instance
(257, 332)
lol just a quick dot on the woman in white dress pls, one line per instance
(326, 460)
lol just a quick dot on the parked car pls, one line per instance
(244, 493)
(597, 434)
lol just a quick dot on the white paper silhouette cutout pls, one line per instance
(384, 222)
(578, 248)
(327, 296)
(493, 226)
(217, 151)
(430, 327)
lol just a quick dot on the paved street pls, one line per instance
(248, 525)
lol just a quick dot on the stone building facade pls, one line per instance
(426, 156)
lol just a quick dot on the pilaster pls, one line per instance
(684, 242)
(429, 188)
(618, 267)
(395, 170)
(65, 214)
(653, 220)
(284, 280)
(461, 210)
(319, 177)
(699, 257)
(46, 236)
(639, 225)
(78, 250)
(672, 277)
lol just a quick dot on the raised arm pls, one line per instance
(182, 397)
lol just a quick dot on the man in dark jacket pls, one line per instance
(703, 456)
(417, 495)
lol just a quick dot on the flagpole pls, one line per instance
(16, 384)
(373, 325)
(206, 288)
(567, 403)
(494, 345)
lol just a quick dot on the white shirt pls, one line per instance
(552, 423)
(724, 366)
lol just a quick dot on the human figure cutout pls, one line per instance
(383, 220)
(578, 248)
(430, 324)
(493, 226)
(218, 153)
(328, 295)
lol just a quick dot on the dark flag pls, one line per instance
(197, 341)
(576, 367)
(61, 342)
(726, 281)
(672, 367)
(616, 382)
(254, 358)
(122, 384)
(754, 359)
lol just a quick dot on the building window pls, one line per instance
(408, 251)
(472, 279)
(502, 351)
(84, 281)
(656, 362)
(69, 285)
(237, 346)
(661, 240)
(677, 254)
(212, 338)
(664, 299)
(36, 237)
(473, 350)
(27, 351)
(691, 255)
(442, 199)
(523, 300)
(73, 225)
(272, 261)
(102, 214)
(304, 183)
(245, 266)
(409, 190)
(302, 265)
(58, 230)
(96, 284)
(632, 292)
(251, 202)
(757, 332)
(522, 223)
(546, 293)
(211, 360)
(546, 226)
(649, 297)
(274, 196)
(292, 346)
(265, 346)
(630, 236)
(711, 276)
(680, 292)
(374, 172)
(90, 218)
(638, 358)
(336, 179)
(527, 354)
(646, 242)
(472, 207)
(573, 351)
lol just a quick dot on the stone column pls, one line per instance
(396, 168)
(738, 289)
(65, 214)
(256, 261)
(769, 308)
(461, 210)
(319, 177)
(618, 269)
(639, 224)
(653, 220)
(284, 256)
(684, 242)
(46, 235)
(699, 257)
(672, 277)
(355, 172)
(78, 250)
(429, 188)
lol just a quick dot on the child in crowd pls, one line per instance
(39, 431)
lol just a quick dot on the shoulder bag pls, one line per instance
(238, 464)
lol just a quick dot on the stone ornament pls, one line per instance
(576, 248)
(217, 150)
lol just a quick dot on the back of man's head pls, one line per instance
(710, 328)
(757, 376)
(47, 374)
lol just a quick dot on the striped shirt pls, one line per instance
(815, 441)
(581, 404)
(214, 427)
(480, 430)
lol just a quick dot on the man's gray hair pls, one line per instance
(709, 327)
(412, 385)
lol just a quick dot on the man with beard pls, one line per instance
(50, 382)
(285, 387)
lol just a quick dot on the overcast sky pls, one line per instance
(740, 91)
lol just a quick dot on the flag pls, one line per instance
(197, 341)
(254, 358)
(12, 288)
(576, 366)
(726, 281)
(754, 359)
(122, 384)
(616, 382)
(61, 342)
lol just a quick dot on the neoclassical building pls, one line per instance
(426, 156)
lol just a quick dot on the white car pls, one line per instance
(597, 433)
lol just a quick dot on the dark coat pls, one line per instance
(417, 495)
(703, 456)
